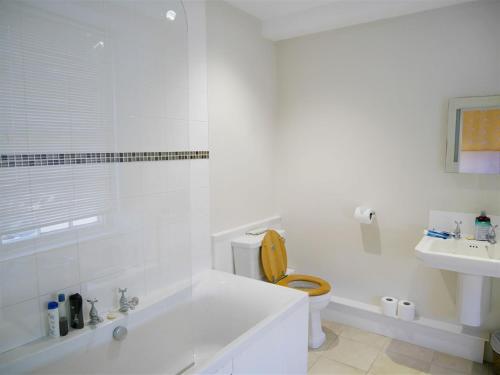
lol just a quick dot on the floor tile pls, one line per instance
(370, 338)
(410, 350)
(482, 369)
(438, 370)
(331, 338)
(328, 366)
(352, 353)
(333, 326)
(398, 364)
(453, 363)
(312, 357)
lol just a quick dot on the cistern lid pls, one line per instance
(252, 242)
(273, 256)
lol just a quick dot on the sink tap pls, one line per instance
(125, 304)
(492, 235)
(457, 233)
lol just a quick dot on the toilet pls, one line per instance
(264, 257)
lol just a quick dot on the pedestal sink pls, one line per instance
(475, 261)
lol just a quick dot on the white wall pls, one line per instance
(362, 120)
(241, 102)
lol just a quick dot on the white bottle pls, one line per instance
(53, 315)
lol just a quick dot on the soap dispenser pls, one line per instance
(482, 227)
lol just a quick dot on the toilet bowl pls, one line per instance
(319, 297)
(264, 257)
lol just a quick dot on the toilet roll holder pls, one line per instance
(364, 215)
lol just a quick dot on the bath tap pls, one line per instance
(126, 305)
(93, 314)
(492, 235)
(457, 233)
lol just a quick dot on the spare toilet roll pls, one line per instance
(406, 310)
(389, 306)
(364, 215)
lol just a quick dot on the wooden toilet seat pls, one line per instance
(274, 264)
(318, 287)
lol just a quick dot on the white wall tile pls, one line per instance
(200, 201)
(177, 134)
(110, 254)
(176, 104)
(177, 175)
(155, 276)
(129, 134)
(153, 133)
(201, 253)
(99, 257)
(177, 254)
(18, 280)
(57, 269)
(130, 177)
(199, 173)
(19, 324)
(197, 41)
(197, 36)
(154, 178)
(198, 109)
(178, 202)
(198, 135)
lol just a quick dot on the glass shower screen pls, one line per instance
(94, 176)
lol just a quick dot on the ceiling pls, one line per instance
(284, 19)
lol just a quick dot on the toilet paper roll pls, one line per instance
(364, 215)
(406, 310)
(389, 306)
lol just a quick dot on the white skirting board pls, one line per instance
(441, 336)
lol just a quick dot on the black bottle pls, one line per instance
(75, 311)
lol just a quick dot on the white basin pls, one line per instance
(465, 256)
(475, 262)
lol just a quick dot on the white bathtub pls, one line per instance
(238, 326)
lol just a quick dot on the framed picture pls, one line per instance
(473, 144)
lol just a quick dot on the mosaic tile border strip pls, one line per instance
(38, 160)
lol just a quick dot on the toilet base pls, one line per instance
(316, 335)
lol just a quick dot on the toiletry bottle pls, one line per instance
(76, 313)
(53, 315)
(63, 316)
(482, 227)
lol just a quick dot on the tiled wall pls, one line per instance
(198, 135)
(94, 77)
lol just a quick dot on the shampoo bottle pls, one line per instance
(53, 315)
(482, 227)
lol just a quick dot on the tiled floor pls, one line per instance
(348, 350)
